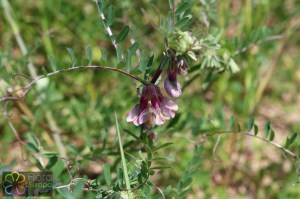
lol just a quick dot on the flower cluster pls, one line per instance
(154, 108)
(184, 46)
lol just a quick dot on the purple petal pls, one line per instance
(144, 116)
(181, 71)
(168, 113)
(170, 104)
(132, 115)
(173, 88)
(135, 121)
(159, 119)
(181, 67)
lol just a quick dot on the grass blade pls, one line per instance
(127, 182)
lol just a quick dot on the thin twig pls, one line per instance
(71, 183)
(215, 147)
(158, 71)
(260, 138)
(28, 86)
(21, 143)
(22, 75)
(9, 98)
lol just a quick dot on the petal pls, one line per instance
(143, 117)
(181, 67)
(181, 71)
(151, 122)
(152, 90)
(159, 120)
(168, 113)
(135, 121)
(173, 88)
(170, 104)
(132, 115)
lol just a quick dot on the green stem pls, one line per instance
(28, 86)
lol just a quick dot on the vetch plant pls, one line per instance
(159, 79)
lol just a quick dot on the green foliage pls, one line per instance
(110, 16)
(72, 56)
(242, 61)
(123, 34)
(52, 63)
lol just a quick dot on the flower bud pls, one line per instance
(172, 87)
(181, 42)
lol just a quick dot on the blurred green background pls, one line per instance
(72, 113)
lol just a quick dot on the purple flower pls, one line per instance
(172, 85)
(153, 108)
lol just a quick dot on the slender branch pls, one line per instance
(9, 98)
(73, 181)
(215, 147)
(19, 140)
(22, 75)
(158, 71)
(293, 155)
(27, 87)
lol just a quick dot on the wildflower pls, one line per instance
(177, 67)
(153, 109)
(172, 85)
